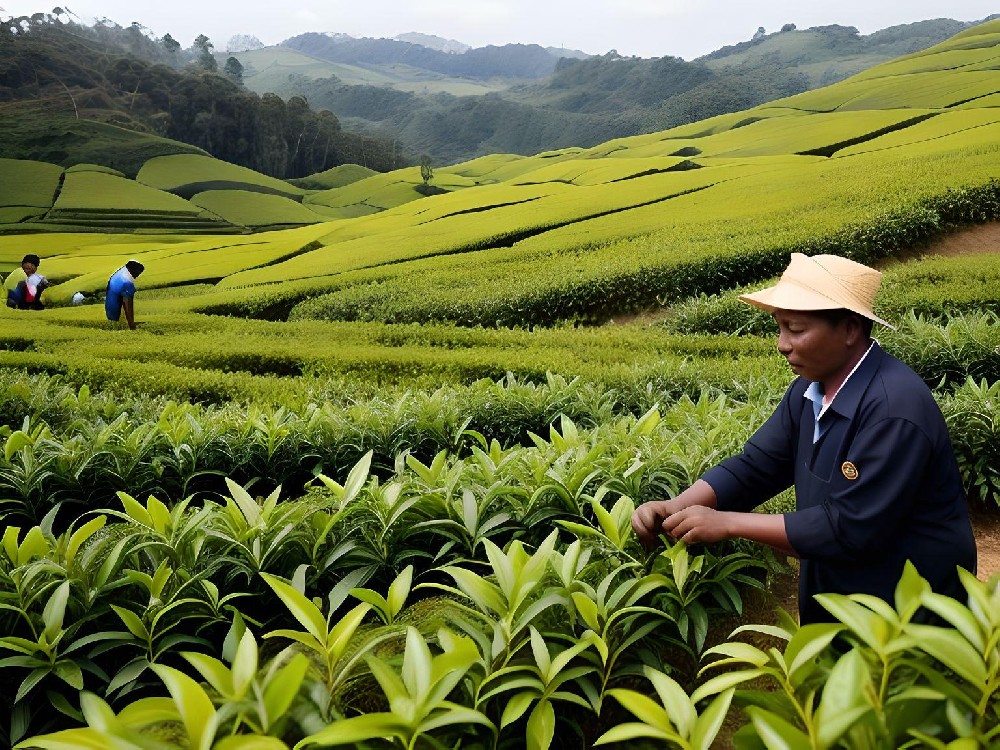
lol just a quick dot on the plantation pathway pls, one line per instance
(986, 527)
(984, 238)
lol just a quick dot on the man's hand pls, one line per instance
(647, 521)
(696, 523)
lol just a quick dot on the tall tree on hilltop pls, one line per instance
(426, 170)
(205, 60)
(172, 49)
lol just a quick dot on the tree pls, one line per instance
(426, 172)
(243, 43)
(206, 60)
(234, 69)
(171, 48)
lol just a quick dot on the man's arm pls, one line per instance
(702, 524)
(129, 310)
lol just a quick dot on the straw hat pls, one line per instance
(822, 282)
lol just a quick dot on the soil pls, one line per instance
(982, 238)
(986, 527)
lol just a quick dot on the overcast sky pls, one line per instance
(648, 28)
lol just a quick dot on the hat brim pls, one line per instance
(785, 296)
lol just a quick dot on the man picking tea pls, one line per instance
(860, 437)
(120, 294)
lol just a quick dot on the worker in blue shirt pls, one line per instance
(860, 437)
(120, 293)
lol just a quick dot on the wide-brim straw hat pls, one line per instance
(822, 282)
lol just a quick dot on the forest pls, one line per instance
(54, 70)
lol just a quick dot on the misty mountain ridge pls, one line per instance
(397, 99)
(521, 61)
(540, 102)
(432, 41)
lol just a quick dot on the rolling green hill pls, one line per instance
(584, 102)
(826, 54)
(867, 166)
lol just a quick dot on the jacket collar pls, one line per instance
(846, 402)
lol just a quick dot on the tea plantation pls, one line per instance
(363, 476)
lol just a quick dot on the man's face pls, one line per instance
(814, 348)
(29, 267)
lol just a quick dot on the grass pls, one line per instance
(28, 183)
(98, 191)
(52, 137)
(256, 210)
(188, 174)
(335, 177)
(385, 190)
(95, 168)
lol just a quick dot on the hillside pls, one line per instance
(579, 102)
(826, 54)
(57, 77)
(865, 166)
(402, 421)
(273, 69)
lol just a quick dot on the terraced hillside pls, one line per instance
(870, 167)
(177, 193)
(419, 338)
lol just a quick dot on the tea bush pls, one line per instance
(160, 569)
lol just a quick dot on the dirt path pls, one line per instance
(986, 527)
(983, 238)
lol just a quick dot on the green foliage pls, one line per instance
(58, 138)
(674, 720)
(972, 416)
(899, 679)
(334, 177)
(82, 445)
(84, 192)
(417, 696)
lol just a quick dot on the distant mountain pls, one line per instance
(521, 61)
(563, 52)
(552, 103)
(433, 42)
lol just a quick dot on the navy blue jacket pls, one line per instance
(880, 487)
